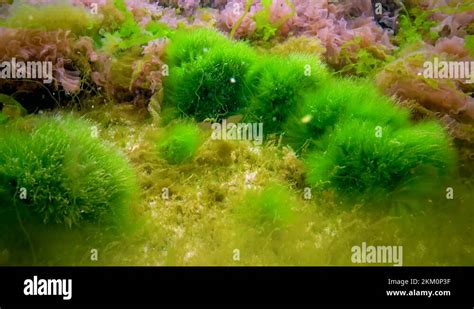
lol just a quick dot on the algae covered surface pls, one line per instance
(284, 132)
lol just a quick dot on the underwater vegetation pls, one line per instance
(179, 143)
(57, 172)
(58, 180)
(188, 46)
(66, 17)
(213, 85)
(278, 84)
(360, 141)
(357, 160)
(69, 57)
(267, 208)
(339, 100)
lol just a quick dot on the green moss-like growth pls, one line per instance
(179, 143)
(57, 172)
(340, 100)
(211, 86)
(265, 23)
(299, 45)
(121, 73)
(415, 26)
(469, 44)
(3, 118)
(190, 45)
(278, 84)
(54, 16)
(11, 108)
(122, 32)
(356, 59)
(362, 159)
(267, 208)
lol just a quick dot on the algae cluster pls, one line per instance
(117, 154)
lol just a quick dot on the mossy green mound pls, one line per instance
(278, 84)
(213, 85)
(3, 118)
(362, 159)
(267, 208)
(56, 171)
(179, 143)
(53, 16)
(336, 101)
(188, 46)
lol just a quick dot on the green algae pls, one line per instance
(197, 223)
(59, 15)
(65, 173)
(278, 83)
(231, 203)
(339, 100)
(211, 85)
(179, 142)
(360, 161)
